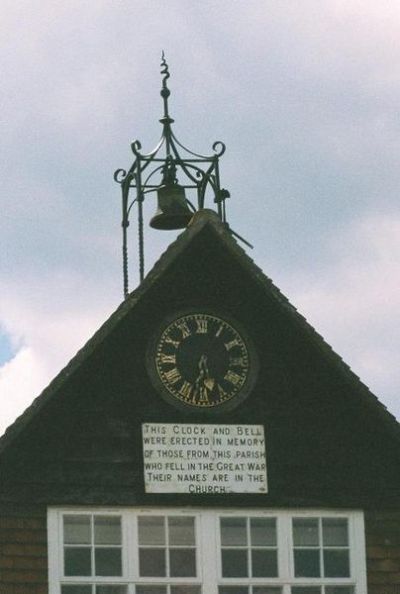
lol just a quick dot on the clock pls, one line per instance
(201, 361)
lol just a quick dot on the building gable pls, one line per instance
(328, 440)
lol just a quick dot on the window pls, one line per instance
(203, 551)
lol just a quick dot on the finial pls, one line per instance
(165, 92)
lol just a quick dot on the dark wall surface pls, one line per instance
(326, 446)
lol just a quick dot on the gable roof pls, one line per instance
(201, 220)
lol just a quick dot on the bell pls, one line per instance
(172, 211)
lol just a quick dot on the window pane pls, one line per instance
(108, 561)
(151, 530)
(306, 590)
(77, 561)
(263, 531)
(185, 589)
(151, 590)
(76, 589)
(233, 531)
(267, 590)
(264, 563)
(336, 563)
(305, 532)
(339, 590)
(77, 530)
(181, 531)
(111, 590)
(306, 563)
(107, 530)
(234, 563)
(152, 562)
(334, 532)
(182, 562)
(233, 590)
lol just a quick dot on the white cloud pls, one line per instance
(48, 334)
(20, 378)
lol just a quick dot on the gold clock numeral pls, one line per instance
(167, 358)
(203, 398)
(202, 326)
(238, 362)
(219, 331)
(172, 376)
(185, 390)
(184, 328)
(233, 378)
(169, 340)
(231, 344)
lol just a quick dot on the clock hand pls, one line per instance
(203, 383)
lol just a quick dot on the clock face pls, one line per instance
(202, 361)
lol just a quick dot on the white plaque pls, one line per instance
(197, 458)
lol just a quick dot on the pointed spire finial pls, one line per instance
(165, 92)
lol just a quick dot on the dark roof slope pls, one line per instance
(201, 220)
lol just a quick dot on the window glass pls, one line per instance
(264, 563)
(77, 529)
(181, 530)
(76, 589)
(108, 561)
(334, 532)
(339, 590)
(306, 563)
(107, 530)
(234, 563)
(267, 590)
(151, 530)
(233, 531)
(185, 589)
(77, 561)
(306, 590)
(152, 563)
(336, 563)
(111, 589)
(182, 562)
(263, 531)
(151, 589)
(305, 532)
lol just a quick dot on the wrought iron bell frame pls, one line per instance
(193, 170)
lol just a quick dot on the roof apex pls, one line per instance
(201, 220)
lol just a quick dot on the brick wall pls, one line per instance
(383, 552)
(23, 552)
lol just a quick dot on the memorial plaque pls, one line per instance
(203, 458)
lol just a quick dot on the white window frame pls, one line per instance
(208, 547)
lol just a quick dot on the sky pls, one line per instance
(305, 96)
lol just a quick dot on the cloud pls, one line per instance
(355, 303)
(48, 333)
(21, 377)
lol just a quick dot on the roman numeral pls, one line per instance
(172, 376)
(184, 328)
(219, 331)
(201, 326)
(233, 378)
(169, 340)
(237, 362)
(185, 390)
(231, 344)
(167, 358)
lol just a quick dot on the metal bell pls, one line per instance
(172, 211)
